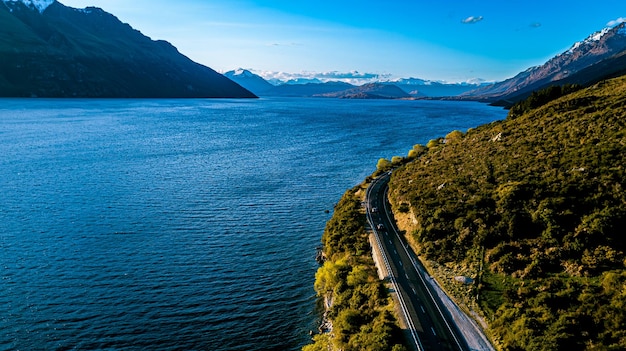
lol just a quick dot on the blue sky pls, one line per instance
(438, 40)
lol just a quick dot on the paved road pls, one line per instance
(427, 320)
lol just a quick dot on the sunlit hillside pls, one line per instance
(534, 209)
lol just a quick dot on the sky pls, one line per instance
(441, 40)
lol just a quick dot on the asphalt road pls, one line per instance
(431, 326)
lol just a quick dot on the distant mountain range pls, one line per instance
(602, 55)
(312, 87)
(307, 89)
(50, 50)
(250, 81)
(370, 91)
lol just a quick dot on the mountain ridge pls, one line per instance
(249, 80)
(40, 5)
(67, 52)
(562, 68)
(313, 87)
(369, 91)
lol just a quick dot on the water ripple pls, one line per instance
(182, 224)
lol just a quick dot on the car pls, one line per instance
(374, 209)
(380, 227)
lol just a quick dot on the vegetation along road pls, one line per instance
(428, 321)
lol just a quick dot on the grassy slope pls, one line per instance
(534, 208)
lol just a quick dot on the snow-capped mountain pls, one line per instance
(597, 36)
(259, 86)
(411, 81)
(311, 86)
(581, 64)
(249, 80)
(51, 50)
(302, 81)
(40, 5)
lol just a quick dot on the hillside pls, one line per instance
(532, 208)
(424, 88)
(369, 91)
(50, 50)
(308, 89)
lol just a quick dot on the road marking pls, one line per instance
(400, 262)
(423, 310)
(433, 329)
(414, 292)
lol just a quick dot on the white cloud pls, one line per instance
(285, 44)
(347, 75)
(615, 22)
(472, 19)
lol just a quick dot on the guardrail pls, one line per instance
(421, 276)
(392, 278)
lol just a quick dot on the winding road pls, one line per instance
(430, 325)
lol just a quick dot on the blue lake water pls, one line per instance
(183, 224)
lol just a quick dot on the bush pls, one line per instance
(384, 165)
(433, 143)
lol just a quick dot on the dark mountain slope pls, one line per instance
(419, 87)
(308, 89)
(370, 91)
(613, 67)
(66, 52)
(534, 209)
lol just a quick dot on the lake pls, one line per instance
(183, 224)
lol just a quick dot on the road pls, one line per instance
(428, 322)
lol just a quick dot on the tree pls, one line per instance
(383, 165)
(321, 342)
(328, 276)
